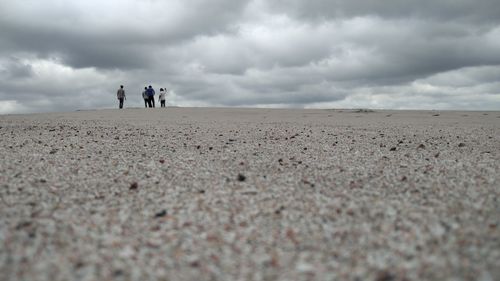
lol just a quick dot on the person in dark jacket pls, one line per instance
(151, 95)
(120, 94)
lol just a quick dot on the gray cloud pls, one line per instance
(14, 68)
(82, 39)
(481, 11)
(392, 54)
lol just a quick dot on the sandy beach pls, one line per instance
(250, 194)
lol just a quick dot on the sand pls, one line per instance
(250, 194)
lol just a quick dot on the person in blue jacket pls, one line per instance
(151, 95)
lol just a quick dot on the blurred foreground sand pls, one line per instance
(250, 194)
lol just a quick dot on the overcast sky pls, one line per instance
(60, 55)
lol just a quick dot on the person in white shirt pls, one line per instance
(161, 97)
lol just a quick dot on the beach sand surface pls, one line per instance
(250, 194)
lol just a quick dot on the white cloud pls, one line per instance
(11, 106)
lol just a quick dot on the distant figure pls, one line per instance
(161, 97)
(120, 94)
(145, 97)
(151, 96)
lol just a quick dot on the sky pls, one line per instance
(66, 55)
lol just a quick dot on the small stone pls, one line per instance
(162, 161)
(241, 177)
(461, 144)
(393, 149)
(385, 276)
(279, 210)
(421, 146)
(161, 213)
(22, 225)
(134, 186)
(305, 267)
(249, 192)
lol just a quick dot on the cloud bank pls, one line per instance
(68, 55)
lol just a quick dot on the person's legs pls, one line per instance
(145, 103)
(153, 100)
(162, 103)
(149, 103)
(121, 103)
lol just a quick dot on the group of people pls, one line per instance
(148, 95)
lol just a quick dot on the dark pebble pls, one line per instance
(279, 210)
(22, 225)
(385, 276)
(134, 186)
(241, 177)
(161, 213)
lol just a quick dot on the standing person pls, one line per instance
(151, 96)
(145, 97)
(161, 97)
(120, 94)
